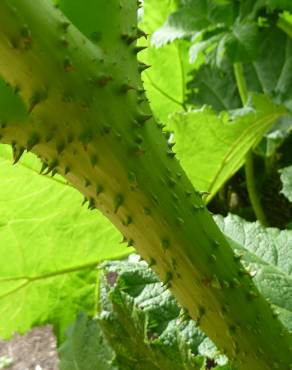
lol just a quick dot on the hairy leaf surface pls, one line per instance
(267, 255)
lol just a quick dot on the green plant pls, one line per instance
(86, 116)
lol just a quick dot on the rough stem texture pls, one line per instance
(87, 118)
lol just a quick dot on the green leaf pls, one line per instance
(214, 87)
(238, 38)
(154, 13)
(193, 16)
(267, 255)
(202, 47)
(166, 95)
(274, 138)
(144, 325)
(212, 147)
(85, 347)
(180, 24)
(241, 44)
(271, 71)
(51, 247)
(236, 32)
(140, 325)
(286, 178)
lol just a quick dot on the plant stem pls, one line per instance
(240, 81)
(249, 170)
(252, 191)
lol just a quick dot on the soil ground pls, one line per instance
(34, 351)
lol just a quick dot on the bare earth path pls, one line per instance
(33, 351)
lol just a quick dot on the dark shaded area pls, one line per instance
(233, 196)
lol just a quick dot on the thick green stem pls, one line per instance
(88, 119)
(249, 165)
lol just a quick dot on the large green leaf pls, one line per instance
(213, 147)
(49, 248)
(267, 255)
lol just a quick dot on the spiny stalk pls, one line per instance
(92, 127)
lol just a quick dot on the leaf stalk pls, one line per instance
(249, 165)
